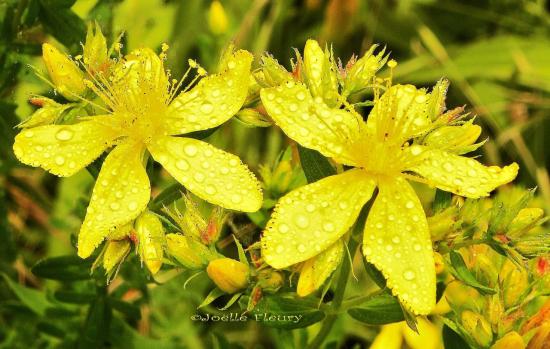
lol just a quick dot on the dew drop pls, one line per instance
(236, 198)
(210, 190)
(190, 150)
(199, 176)
(417, 247)
(302, 221)
(132, 206)
(283, 228)
(64, 134)
(29, 134)
(207, 108)
(448, 167)
(301, 96)
(310, 208)
(59, 160)
(301, 248)
(293, 107)
(409, 204)
(114, 206)
(396, 240)
(367, 251)
(279, 249)
(182, 165)
(328, 226)
(409, 275)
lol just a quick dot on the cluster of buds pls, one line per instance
(496, 290)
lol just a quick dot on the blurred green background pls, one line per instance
(495, 52)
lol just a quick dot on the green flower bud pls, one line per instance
(189, 252)
(455, 139)
(228, 274)
(514, 283)
(477, 327)
(95, 49)
(115, 253)
(253, 118)
(65, 75)
(444, 223)
(320, 73)
(151, 240)
(360, 74)
(512, 340)
(526, 219)
(48, 113)
(270, 280)
(272, 73)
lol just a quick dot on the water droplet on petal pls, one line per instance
(301, 248)
(279, 249)
(409, 275)
(132, 206)
(59, 160)
(206, 108)
(417, 247)
(236, 198)
(310, 208)
(199, 176)
(409, 204)
(182, 165)
(302, 221)
(328, 226)
(114, 206)
(283, 228)
(64, 134)
(190, 150)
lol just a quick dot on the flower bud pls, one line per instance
(360, 74)
(316, 270)
(320, 73)
(461, 296)
(514, 283)
(444, 223)
(270, 280)
(95, 49)
(272, 73)
(541, 339)
(526, 219)
(253, 118)
(228, 274)
(477, 327)
(114, 255)
(217, 18)
(151, 240)
(188, 252)
(65, 75)
(512, 340)
(455, 139)
(48, 113)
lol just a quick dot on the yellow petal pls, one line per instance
(390, 337)
(457, 174)
(397, 242)
(214, 100)
(317, 269)
(310, 219)
(210, 173)
(428, 336)
(151, 240)
(400, 114)
(63, 149)
(120, 194)
(311, 122)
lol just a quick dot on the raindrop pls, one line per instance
(64, 134)
(409, 275)
(182, 165)
(190, 150)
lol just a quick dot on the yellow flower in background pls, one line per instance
(393, 335)
(383, 152)
(142, 112)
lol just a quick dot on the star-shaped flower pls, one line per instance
(384, 152)
(144, 116)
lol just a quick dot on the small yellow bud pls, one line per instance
(477, 327)
(217, 18)
(270, 280)
(455, 139)
(65, 75)
(439, 263)
(512, 340)
(272, 73)
(151, 240)
(525, 219)
(228, 274)
(253, 118)
(115, 252)
(444, 223)
(188, 252)
(514, 283)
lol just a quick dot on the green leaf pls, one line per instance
(374, 274)
(96, 327)
(33, 299)
(462, 273)
(74, 297)
(212, 296)
(453, 340)
(315, 165)
(64, 268)
(380, 310)
(442, 200)
(62, 23)
(285, 313)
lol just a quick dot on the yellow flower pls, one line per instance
(383, 152)
(142, 112)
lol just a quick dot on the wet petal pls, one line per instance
(397, 242)
(317, 269)
(311, 122)
(214, 100)
(458, 174)
(120, 194)
(64, 149)
(400, 114)
(320, 73)
(310, 219)
(210, 173)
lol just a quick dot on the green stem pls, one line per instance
(342, 282)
